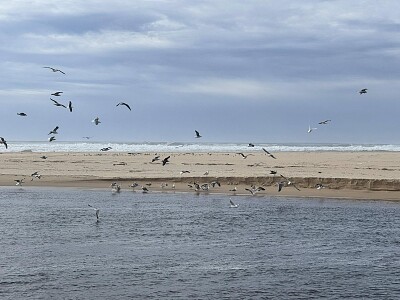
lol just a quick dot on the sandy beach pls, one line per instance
(363, 175)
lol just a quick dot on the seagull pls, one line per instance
(43, 157)
(206, 173)
(54, 131)
(54, 69)
(35, 175)
(253, 190)
(233, 190)
(3, 141)
(324, 122)
(281, 185)
(144, 189)
(319, 186)
(123, 103)
(115, 187)
(87, 137)
(96, 210)
(165, 160)
(214, 183)
(233, 205)
(251, 145)
(57, 94)
(106, 149)
(57, 103)
(19, 181)
(272, 172)
(311, 129)
(183, 172)
(52, 138)
(289, 182)
(22, 114)
(197, 134)
(70, 106)
(96, 121)
(244, 156)
(270, 155)
(363, 91)
(155, 158)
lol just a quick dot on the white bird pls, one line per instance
(233, 205)
(96, 121)
(311, 129)
(35, 175)
(115, 187)
(96, 210)
(19, 181)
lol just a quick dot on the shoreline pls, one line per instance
(350, 175)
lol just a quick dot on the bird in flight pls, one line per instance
(363, 91)
(96, 210)
(96, 121)
(165, 160)
(106, 149)
(288, 182)
(35, 175)
(250, 145)
(324, 122)
(244, 156)
(19, 181)
(57, 94)
(155, 158)
(310, 129)
(185, 171)
(253, 190)
(270, 155)
(54, 69)
(3, 141)
(197, 134)
(54, 131)
(70, 106)
(52, 138)
(22, 114)
(57, 103)
(123, 103)
(233, 205)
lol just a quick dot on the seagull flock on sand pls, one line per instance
(116, 188)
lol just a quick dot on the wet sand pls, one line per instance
(363, 175)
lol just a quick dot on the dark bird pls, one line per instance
(324, 122)
(244, 156)
(214, 183)
(54, 69)
(19, 181)
(251, 145)
(54, 131)
(105, 149)
(57, 103)
(197, 134)
(70, 106)
(363, 91)
(96, 210)
(43, 157)
(96, 121)
(22, 114)
(35, 175)
(52, 138)
(272, 172)
(87, 137)
(123, 103)
(144, 189)
(155, 158)
(270, 155)
(57, 94)
(185, 171)
(165, 160)
(233, 205)
(280, 185)
(3, 141)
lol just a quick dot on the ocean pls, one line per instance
(188, 147)
(187, 246)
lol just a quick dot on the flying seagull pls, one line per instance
(310, 129)
(54, 69)
(233, 205)
(155, 158)
(244, 156)
(52, 138)
(251, 145)
(54, 131)
(123, 103)
(106, 149)
(22, 114)
(3, 141)
(57, 94)
(363, 91)
(165, 160)
(324, 122)
(19, 181)
(57, 103)
(87, 137)
(253, 190)
(197, 134)
(43, 157)
(35, 175)
(270, 155)
(96, 210)
(185, 171)
(288, 182)
(96, 121)
(70, 106)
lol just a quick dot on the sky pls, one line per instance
(236, 71)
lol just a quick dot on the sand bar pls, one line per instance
(364, 175)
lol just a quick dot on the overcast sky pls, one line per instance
(237, 71)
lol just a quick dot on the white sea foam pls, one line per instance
(189, 147)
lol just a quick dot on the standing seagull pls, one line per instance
(96, 121)
(97, 211)
(3, 141)
(70, 106)
(123, 103)
(54, 69)
(363, 91)
(197, 134)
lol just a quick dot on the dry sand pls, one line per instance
(364, 175)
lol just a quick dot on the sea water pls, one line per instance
(188, 147)
(187, 246)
